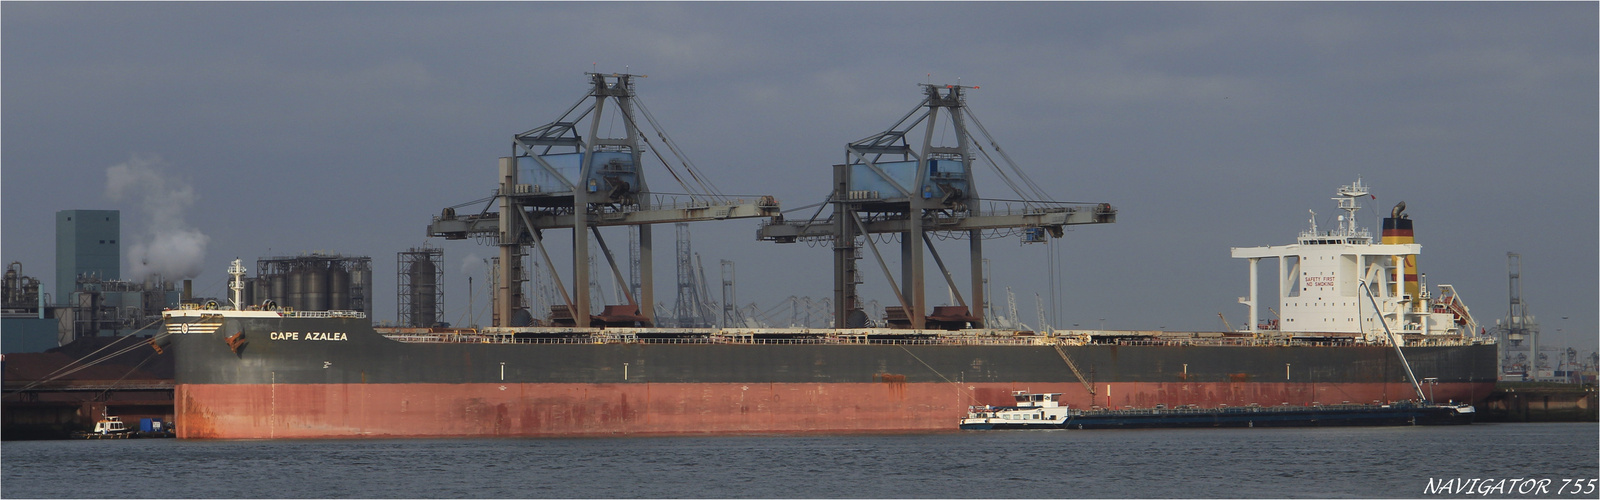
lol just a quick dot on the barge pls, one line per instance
(1043, 411)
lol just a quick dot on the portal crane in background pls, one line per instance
(1519, 331)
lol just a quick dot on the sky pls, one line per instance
(246, 130)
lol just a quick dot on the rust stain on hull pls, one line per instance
(265, 411)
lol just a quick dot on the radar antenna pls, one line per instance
(1347, 202)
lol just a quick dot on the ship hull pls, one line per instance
(314, 385)
(265, 411)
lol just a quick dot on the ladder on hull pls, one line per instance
(1074, 367)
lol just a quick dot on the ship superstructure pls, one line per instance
(1337, 283)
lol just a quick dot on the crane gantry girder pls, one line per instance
(456, 227)
(1052, 219)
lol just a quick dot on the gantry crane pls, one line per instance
(887, 185)
(558, 178)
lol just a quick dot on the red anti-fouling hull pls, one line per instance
(256, 411)
(292, 377)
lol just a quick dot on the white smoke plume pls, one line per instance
(471, 264)
(166, 245)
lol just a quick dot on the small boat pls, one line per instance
(1044, 411)
(108, 427)
(1032, 411)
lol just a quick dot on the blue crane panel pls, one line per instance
(942, 175)
(609, 168)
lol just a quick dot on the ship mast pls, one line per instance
(1347, 202)
(237, 284)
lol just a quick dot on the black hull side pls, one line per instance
(367, 357)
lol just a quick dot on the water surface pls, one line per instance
(1334, 462)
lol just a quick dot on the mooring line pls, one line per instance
(972, 396)
(58, 373)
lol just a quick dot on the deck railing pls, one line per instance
(816, 337)
(324, 314)
(443, 338)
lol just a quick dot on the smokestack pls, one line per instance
(188, 291)
(1397, 231)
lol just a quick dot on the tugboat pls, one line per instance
(108, 427)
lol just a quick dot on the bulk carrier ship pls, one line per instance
(262, 371)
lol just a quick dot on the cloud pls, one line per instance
(168, 246)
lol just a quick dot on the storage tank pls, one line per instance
(338, 289)
(423, 286)
(263, 289)
(316, 291)
(296, 297)
(278, 291)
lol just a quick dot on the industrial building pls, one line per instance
(87, 244)
(27, 326)
(93, 300)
